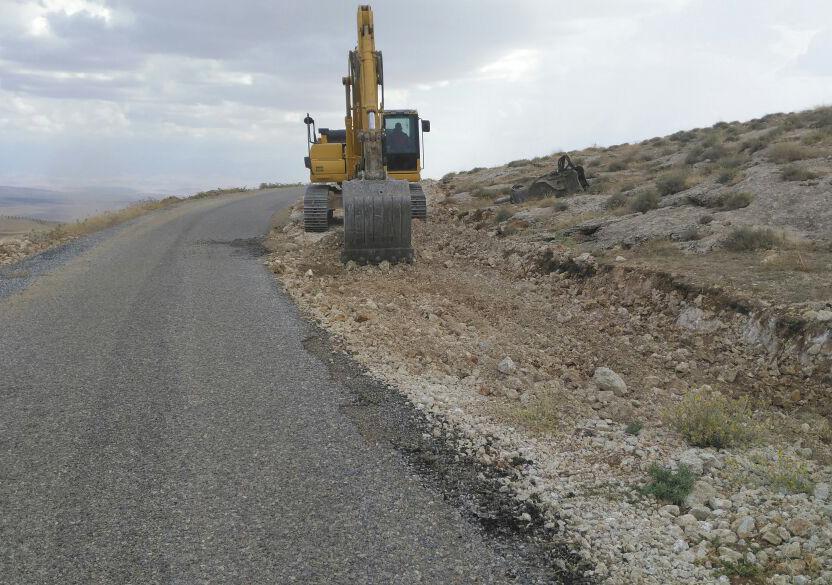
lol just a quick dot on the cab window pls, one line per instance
(400, 135)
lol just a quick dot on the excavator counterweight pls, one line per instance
(372, 167)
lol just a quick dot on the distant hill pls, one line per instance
(53, 205)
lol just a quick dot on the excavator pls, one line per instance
(371, 168)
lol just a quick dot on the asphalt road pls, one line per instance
(161, 422)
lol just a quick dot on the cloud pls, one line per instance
(197, 90)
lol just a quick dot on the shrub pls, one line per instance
(712, 420)
(784, 152)
(683, 136)
(519, 163)
(694, 155)
(503, 214)
(599, 186)
(560, 205)
(758, 143)
(617, 201)
(783, 473)
(736, 200)
(616, 165)
(706, 219)
(748, 239)
(726, 176)
(668, 485)
(689, 234)
(644, 202)
(797, 173)
(634, 427)
(820, 117)
(671, 182)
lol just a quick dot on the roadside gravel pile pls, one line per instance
(15, 249)
(571, 372)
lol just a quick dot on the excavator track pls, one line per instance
(316, 208)
(418, 202)
(377, 221)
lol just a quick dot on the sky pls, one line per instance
(173, 96)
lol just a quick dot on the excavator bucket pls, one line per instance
(377, 220)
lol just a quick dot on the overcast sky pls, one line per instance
(175, 95)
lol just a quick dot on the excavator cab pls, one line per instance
(401, 144)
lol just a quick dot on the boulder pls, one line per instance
(608, 380)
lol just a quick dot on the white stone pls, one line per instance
(670, 510)
(822, 492)
(729, 555)
(606, 379)
(792, 550)
(680, 546)
(692, 461)
(701, 512)
(744, 527)
(701, 493)
(507, 366)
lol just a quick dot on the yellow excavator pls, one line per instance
(371, 168)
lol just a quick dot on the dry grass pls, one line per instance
(797, 173)
(782, 473)
(748, 239)
(786, 152)
(108, 219)
(540, 416)
(734, 200)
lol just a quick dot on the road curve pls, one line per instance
(161, 422)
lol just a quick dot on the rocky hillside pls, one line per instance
(654, 378)
(744, 204)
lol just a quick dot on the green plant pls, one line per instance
(671, 182)
(784, 152)
(668, 485)
(519, 163)
(502, 215)
(797, 173)
(616, 165)
(747, 239)
(713, 420)
(560, 205)
(634, 427)
(742, 569)
(644, 202)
